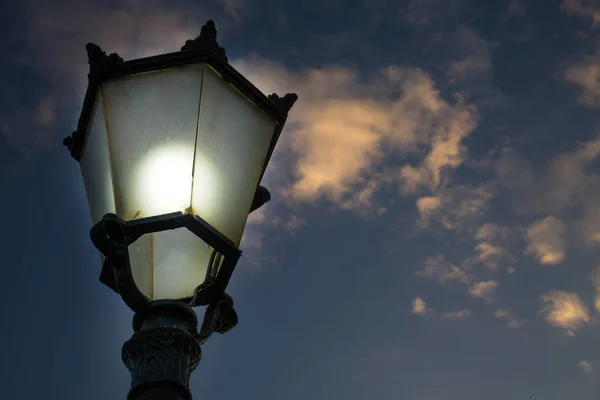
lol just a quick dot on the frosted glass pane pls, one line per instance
(180, 263)
(233, 140)
(141, 254)
(152, 120)
(95, 166)
(169, 264)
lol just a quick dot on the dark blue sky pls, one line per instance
(434, 227)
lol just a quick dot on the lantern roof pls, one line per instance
(203, 49)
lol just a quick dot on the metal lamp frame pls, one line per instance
(112, 236)
(165, 346)
(116, 270)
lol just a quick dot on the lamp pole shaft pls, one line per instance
(162, 353)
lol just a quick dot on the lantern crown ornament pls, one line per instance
(172, 149)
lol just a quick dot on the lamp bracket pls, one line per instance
(219, 317)
(112, 237)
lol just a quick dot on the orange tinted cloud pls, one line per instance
(346, 127)
(564, 310)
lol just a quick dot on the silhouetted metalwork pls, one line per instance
(112, 237)
(98, 58)
(163, 352)
(286, 102)
(208, 37)
(165, 346)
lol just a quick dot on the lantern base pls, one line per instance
(163, 352)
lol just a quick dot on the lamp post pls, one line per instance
(172, 150)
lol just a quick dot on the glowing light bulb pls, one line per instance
(165, 183)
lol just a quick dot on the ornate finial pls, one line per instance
(68, 141)
(261, 196)
(98, 58)
(286, 102)
(208, 37)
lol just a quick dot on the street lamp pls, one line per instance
(172, 149)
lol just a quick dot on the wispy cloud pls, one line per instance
(490, 249)
(513, 24)
(432, 12)
(233, 8)
(511, 321)
(595, 278)
(462, 314)
(516, 8)
(583, 8)
(476, 59)
(565, 183)
(346, 127)
(564, 310)
(586, 366)
(465, 56)
(484, 290)
(547, 242)
(456, 208)
(53, 51)
(419, 307)
(441, 270)
(585, 74)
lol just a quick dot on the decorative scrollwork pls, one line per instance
(98, 58)
(68, 141)
(208, 37)
(286, 102)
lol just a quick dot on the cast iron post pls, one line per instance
(163, 352)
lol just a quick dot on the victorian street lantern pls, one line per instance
(172, 150)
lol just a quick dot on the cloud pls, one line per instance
(566, 183)
(490, 250)
(489, 255)
(464, 55)
(586, 366)
(251, 241)
(441, 270)
(547, 242)
(340, 133)
(427, 207)
(586, 75)
(484, 290)
(476, 58)
(516, 8)
(583, 8)
(595, 278)
(232, 8)
(561, 184)
(136, 29)
(446, 152)
(432, 12)
(345, 128)
(46, 112)
(53, 51)
(255, 240)
(29, 128)
(458, 207)
(511, 321)
(490, 232)
(419, 306)
(513, 25)
(294, 222)
(564, 310)
(462, 314)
